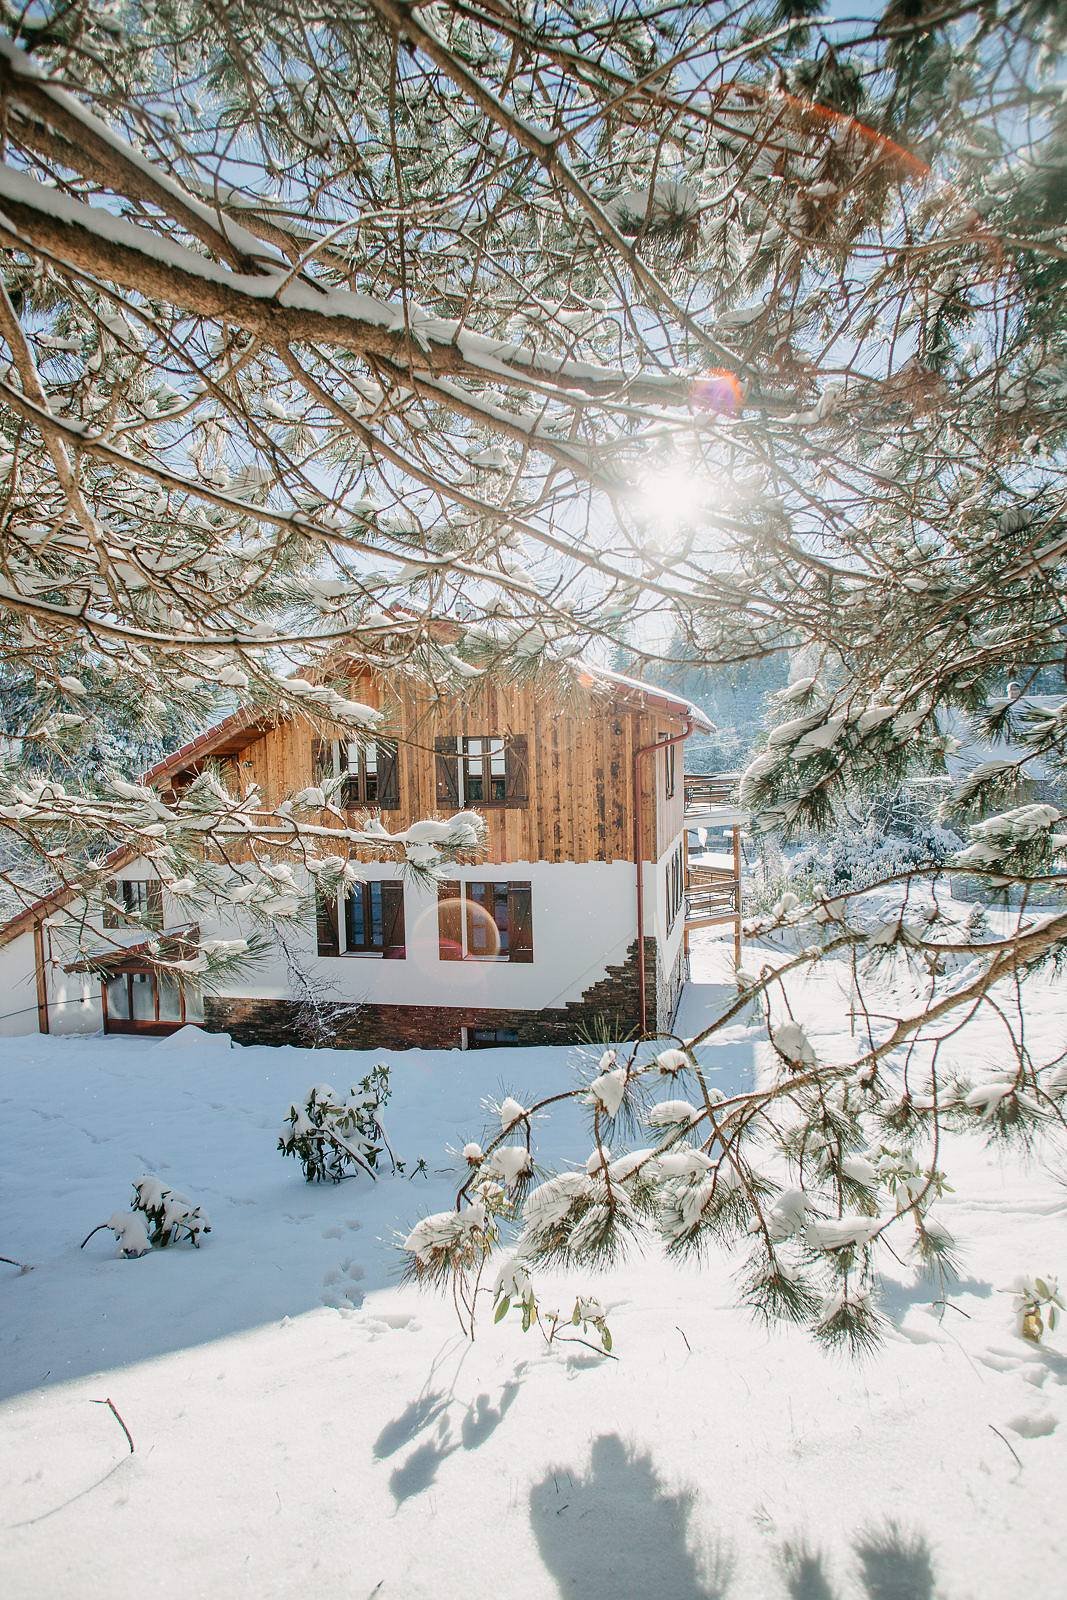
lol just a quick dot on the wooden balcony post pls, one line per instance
(736, 832)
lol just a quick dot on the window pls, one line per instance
(669, 768)
(141, 902)
(485, 922)
(487, 1038)
(482, 770)
(371, 920)
(145, 1002)
(675, 885)
(369, 772)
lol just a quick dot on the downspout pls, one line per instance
(644, 750)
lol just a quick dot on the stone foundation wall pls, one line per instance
(607, 1010)
(669, 983)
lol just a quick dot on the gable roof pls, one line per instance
(645, 694)
(242, 728)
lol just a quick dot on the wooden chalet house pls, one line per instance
(570, 923)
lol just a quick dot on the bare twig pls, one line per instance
(1008, 1442)
(113, 1408)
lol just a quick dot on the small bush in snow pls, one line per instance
(170, 1216)
(158, 1216)
(1036, 1300)
(331, 1137)
(514, 1288)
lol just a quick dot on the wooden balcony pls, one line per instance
(711, 893)
(711, 800)
(713, 885)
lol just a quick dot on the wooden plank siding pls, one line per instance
(581, 799)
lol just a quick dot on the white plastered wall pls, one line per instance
(73, 997)
(18, 987)
(584, 920)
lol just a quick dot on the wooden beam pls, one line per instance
(736, 832)
(41, 978)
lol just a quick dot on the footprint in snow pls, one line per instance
(1033, 1424)
(340, 1287)
(391, 1322)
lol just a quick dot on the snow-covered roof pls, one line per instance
(663, 699)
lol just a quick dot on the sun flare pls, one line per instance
(671, 498)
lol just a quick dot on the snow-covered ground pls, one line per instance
(304, 1424)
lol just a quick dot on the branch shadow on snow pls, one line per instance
(430, 1411)
(401, 1430)
(419, 1471)
(620, 1530)
(894, 1563)
(804, 1573)
(896, 1298)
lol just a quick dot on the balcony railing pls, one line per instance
(711, 789)
(711, 892)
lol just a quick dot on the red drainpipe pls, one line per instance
(644, 750)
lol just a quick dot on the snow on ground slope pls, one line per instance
(302, 1422)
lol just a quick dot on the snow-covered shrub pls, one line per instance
(170, 1216)
(158, 1216)
(331, 1137)
(851, 858)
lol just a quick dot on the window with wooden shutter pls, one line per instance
(327, 924)
(393, 944)
(516, 770)
(520, 922)
(485, 922)
(359, 770)
(484, 769)
(446, 757)
(321, 762)
(450, 921)
(675, 874)
(113, 918)
(153, 916)
(374, 919)
(141, 900)
(488, 924)
(388, 777)
(669, 766)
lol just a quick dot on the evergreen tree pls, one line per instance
(582, 326)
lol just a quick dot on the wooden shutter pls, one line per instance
(154, 907)
(449, 914)
(112, 918)
(516, 770)
(393, 918)
(321, 761)
(520, 922)
(388, 778)
(447, 761)
(329, 936)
